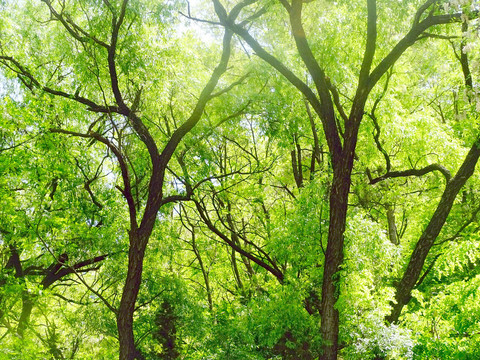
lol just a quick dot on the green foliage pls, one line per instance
(236, 271)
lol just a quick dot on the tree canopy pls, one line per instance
(249, 179)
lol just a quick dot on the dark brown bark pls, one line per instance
(14, 262)
(342, 156)
(296, 155)
(299, 163)
(431, 232)
(467, 75)
(411, 276)
(139, 236)
(131, 288)
(413, 172)
(333, 259)
(342, 171)
(265, 262)
(139, 233)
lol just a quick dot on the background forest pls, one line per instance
(253, 179)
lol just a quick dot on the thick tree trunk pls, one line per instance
(128, 350)
(334, 258)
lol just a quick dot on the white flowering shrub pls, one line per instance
(391, 342)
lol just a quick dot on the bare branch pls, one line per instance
(414, 172)
(408, 40)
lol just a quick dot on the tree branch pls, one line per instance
(409, 39)
(431, 232)
(273, 270)
(127, 190)
(414, 172)
(326, 113)
(74, 29)
(369, 48)
(154, 200)
(24, 74)
(333, 138)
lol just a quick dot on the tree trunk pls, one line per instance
(334, 257)
(128, 350)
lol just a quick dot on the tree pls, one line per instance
(118, 115)
(342, 153)
(278, 247)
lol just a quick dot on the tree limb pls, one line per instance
(273, 270)
(24, 74)
(414, 172)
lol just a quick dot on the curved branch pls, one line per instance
(72, 28)
(31, 82)
(376, 134)
(333, 138)
(154, 200)
(273, 270)
(414, 172)
(408, 40)
(327, 113)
